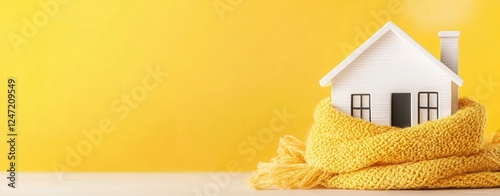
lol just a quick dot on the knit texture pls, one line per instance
(349, 153)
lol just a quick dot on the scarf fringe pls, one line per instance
(288, 170)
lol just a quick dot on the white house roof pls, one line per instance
(326, 80)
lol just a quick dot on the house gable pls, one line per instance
(390, 28)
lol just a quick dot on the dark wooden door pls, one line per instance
(401, 110)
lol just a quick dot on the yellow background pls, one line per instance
(229, 69)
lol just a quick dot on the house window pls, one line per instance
(361, 106)
(428, 106)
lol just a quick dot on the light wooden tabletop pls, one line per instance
(177, 184)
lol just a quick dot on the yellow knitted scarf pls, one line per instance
(349, 153)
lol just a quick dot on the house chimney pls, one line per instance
(449, 49)
(449, 57)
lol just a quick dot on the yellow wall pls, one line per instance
(230, 72)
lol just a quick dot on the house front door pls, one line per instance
(401, 110)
